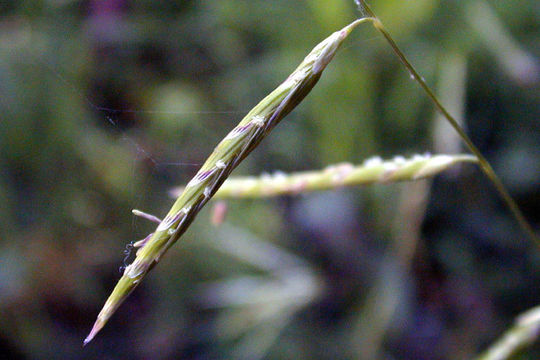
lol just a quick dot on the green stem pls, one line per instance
(483, 162)
(523, 334)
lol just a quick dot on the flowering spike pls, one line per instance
(373, 170)
(230, 151)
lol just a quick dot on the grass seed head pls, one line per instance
(225, 157)
(373, 170)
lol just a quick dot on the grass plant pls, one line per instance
(253, 128)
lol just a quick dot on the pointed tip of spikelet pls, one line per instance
(98, 325)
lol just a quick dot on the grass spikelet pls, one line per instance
(225, 157)
(373, 170)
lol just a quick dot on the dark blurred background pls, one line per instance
(106, 105)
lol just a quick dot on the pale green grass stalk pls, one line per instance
(225, 157)
(523, 334)
(484, 164)
(372, 171)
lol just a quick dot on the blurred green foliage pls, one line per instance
(105, 105)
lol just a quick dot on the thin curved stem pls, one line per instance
(482, 161)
